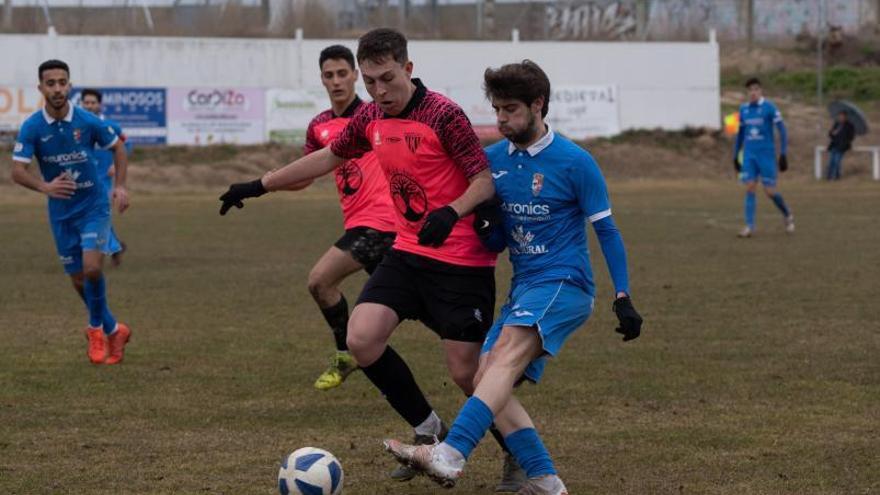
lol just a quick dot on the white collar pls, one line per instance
(759, 102)
(538, 146)
(67, 118)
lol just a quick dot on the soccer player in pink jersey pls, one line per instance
(438, 271)
(367, 210)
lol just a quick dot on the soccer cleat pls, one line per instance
(406, 473)
(342, 364)
(549, 484)
(789, 224)
(513, 477)
(423, 459)
(117, 341)
(97, 345)
(746, 232)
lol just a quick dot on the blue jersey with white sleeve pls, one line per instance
(547, 194)
(756, 122)
(67, 146)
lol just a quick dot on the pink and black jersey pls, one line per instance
(428, 153)
(362, 186)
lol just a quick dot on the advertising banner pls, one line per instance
(289, 111)
(16, 105)
(215, 115)
(139, 111)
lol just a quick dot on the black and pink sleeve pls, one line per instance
(353, 142)
(460, 141)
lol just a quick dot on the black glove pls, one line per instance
(630, 321)
(437, 226)
(487, 216)
(736, 164)
(238, 192)
(783, 163)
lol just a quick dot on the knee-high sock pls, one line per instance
(780, 203)
(750, 209)
(530, 453)
(470, 426)
(393, 378)
(337, 317)
(95, 292)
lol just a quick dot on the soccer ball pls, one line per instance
(310, 471)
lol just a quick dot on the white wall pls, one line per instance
(667, 85)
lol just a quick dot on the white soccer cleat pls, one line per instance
(789, 224)
(746, 232)
(549, 484)
(424, 460)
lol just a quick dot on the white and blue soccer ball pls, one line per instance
(310, 471)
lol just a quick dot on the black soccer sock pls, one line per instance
(499, 438)
(337, 318)
(392, 377)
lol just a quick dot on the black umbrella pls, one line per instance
(853, 114)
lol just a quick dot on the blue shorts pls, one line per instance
(87, 232)
(556, 308)
(761, 165)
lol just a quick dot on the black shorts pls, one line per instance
(456, 302)
(367, 246)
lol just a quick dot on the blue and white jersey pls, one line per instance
(756, 121)
(105, 157)
(548, 192)
(67, 146)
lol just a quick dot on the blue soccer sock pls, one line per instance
(750, 209)
(470, 426)
(530, 453)
(96, 300)
(780, 203)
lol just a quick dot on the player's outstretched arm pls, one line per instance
(614, 252)
(120, 174)
(440, 222)
(61, 187)
(304, 169)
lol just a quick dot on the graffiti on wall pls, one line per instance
(591, 20)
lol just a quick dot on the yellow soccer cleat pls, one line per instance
(342, 364)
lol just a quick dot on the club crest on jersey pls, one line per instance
(537, 184)
(325, 134)
(412, 141)
(77, 134)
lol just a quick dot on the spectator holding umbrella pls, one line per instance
(849, 121)
(841, 134)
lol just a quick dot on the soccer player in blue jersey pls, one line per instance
(91, 100)
(548, 189)
(62, 138)
(756, 121)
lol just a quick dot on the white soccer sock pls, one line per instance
(430, 426)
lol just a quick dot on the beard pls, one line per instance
(527, 134)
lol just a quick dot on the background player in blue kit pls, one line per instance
(756, 121)
(62, 138)
(91, 100)
(547, 187)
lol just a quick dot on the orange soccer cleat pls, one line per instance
(117, 341)
(97, 345)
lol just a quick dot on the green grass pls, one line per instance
(853, 83)
(757, 372)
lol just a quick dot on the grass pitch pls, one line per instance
(757, 372)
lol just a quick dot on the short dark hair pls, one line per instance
(380, 43)
(524, 81)
(336, 52)
(753, 80)
(52, 64)
(91, 92)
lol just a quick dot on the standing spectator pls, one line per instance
(842, 135)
